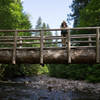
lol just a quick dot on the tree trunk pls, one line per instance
(32, 56)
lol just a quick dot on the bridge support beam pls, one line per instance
(32, 56)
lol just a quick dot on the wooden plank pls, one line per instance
(82, 37)
(51, 38)
(14, 48)
(50, 48)
(52, 42)
(6, 40)
(83, 47)
(46, 38)
(75, 35)
(83, 42)
(34, 43)
(97, 46)
(7, 43)
(20, 43)
(69, 47)
(59, 29)
(6, 37)
(41, 47)
(31, 38)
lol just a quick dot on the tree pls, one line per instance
(76, 6)
(90, 15)
(42, 25)
(39, 23)
(13, 17)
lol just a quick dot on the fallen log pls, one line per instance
(50, 56)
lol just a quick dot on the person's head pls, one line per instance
(63, 24)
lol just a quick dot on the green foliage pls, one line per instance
(84, 13)
(94, 73)
(90, 73)
(76, 6)
(11, 71)
(43, 70)
(13, 17)
(90, 15)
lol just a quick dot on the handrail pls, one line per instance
(72, 41)
(56, 29)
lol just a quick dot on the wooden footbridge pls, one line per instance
(80, 48)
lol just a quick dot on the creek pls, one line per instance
(34, 89)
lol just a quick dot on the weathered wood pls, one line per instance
(84, 42)
(14, 48)
(82, 37)
(45, 37)
(40, 51)
(78, 35)
(7, 43)
(41, 47)
(83, 47)
(6, 40)
(97, 46)
(20, 42)
(54, 37)
(69, 47)
(59, 29)
(29, 38)
(37, 42)
(90, 41)
(49, 42)
(51, 48)
(53, 56)
(11, 37)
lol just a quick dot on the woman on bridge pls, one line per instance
(64, 33)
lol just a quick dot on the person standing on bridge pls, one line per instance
(64, 33)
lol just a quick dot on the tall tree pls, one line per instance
(42, 25)
(38, 26)
(12, 15)
(39, 23)
(76, 6)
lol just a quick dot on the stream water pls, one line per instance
(25, 92)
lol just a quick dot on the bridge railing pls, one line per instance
(42, 42)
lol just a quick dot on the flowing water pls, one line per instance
(25, 92)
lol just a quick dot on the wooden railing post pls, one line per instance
(20, 41)
(97, 46)
(89, 39)
(41, 47)
(69, 47)
(14, 48)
